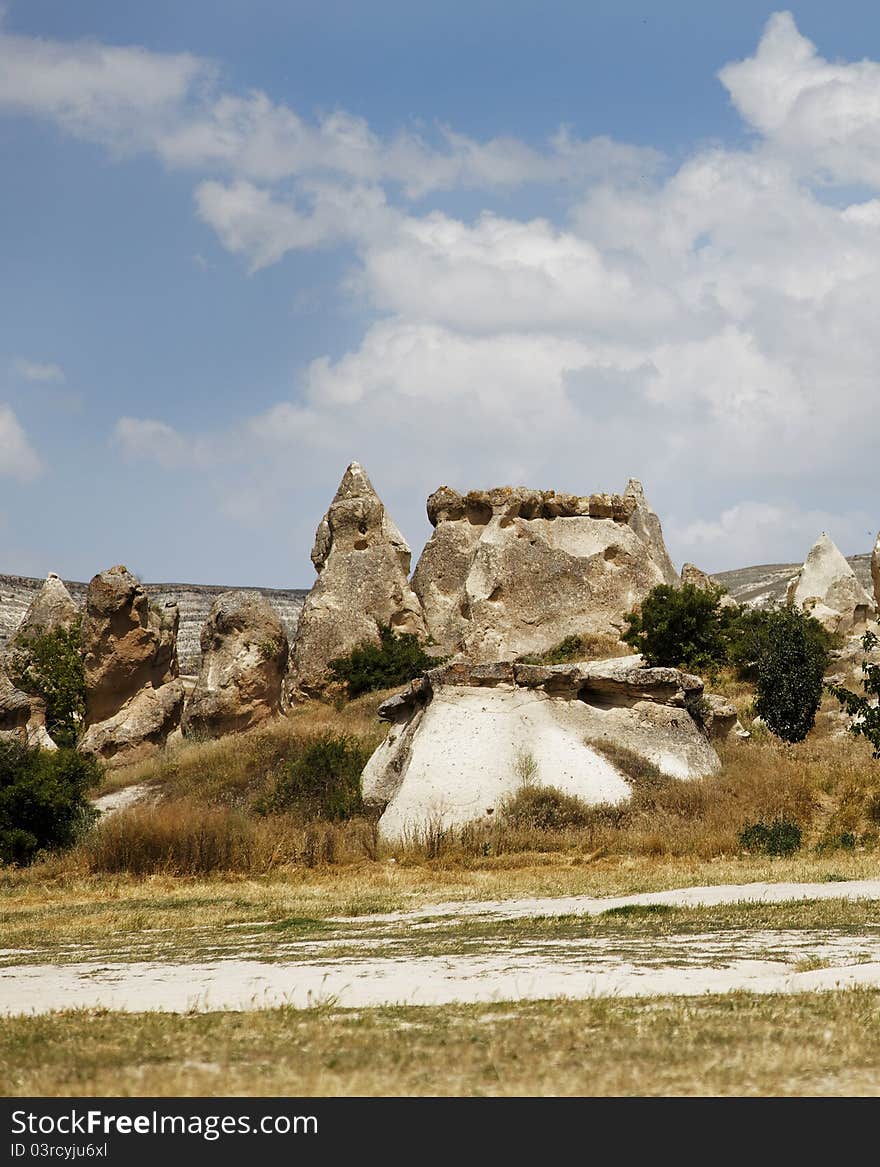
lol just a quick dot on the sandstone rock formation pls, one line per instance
(362, 562)
(139, 728)
(875, 571)
(128, 649)
(459, 735)
(512, 571)
(694, 576)
(826, 587)
(22, 716)
(52, 608)
(244, 661)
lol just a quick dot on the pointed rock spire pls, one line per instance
(827, 588)
(646, 525)
(875, 571)
(363, 563)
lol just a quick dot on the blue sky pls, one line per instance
(560, 245)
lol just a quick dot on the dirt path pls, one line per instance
(762, 961)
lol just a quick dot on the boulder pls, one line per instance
(22, 716)
(128, 645)
(511, 572)
(139, 729)
(827, 588)
(363, 563)
(244, 661)
(462, 738)
(875, 571)
(720, 718)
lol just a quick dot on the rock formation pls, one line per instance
(128, 649)
(512, 571)
(826, 587)
(697, 578)
(459, 736)
(362, 562)
(875, 571)
(244, 661)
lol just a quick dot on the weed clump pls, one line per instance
(780, 837)
(322, 780)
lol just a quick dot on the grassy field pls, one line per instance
(740, 1044)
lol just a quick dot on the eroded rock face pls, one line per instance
(826, 587)
(244, 661)
(140, 728)
(463, 737)
(512, 571)
(875, 571)
(127, 644)
(52, 608)
(363, 563)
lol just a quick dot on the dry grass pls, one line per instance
(810, 1044)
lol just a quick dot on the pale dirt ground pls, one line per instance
(761, 961)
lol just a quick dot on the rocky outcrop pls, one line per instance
(512, 571)
(22, 716)
(244, 660)
(139, 728)
(363, 563)
(463, 738)
(129, 657)
(695, 577)
(52, 608)
(875, 571)
(128, 644)
(826, 587)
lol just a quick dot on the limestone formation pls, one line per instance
(244, 661)
(826, 587)
(129, 658)
(463, 738)
(127, 644)
(512, 571)
(139, 728)
(875, 571)
(362, 562)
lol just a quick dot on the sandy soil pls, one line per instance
(682, 965)
(120, 799)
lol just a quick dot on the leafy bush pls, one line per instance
(864, 707)
(544, 808)
(790, 668)
(395, 660)
(50, 665)
(781, 837)
(681, 627)
(747, 632)
(43, 804)
(323, 780)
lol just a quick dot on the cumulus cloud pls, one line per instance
(18, 459)
(38, 371)
(708, 327)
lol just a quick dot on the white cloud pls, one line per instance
(18, 459)
(146, 439)
(44, 372)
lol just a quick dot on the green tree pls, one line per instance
(395, 660)
(679, 627)
(864, 707)
(50, 665)
(789, 671)
(43, 803)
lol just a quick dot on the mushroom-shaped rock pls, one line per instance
(244, 660)
(513, 571)
(826, 587)
(363, 563)
(128, 645)
(459, 737)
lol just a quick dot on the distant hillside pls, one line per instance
(194, 601)
(767, 582)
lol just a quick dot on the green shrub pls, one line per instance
(747, 632)
(50, 665)
(43, 804)
(864, 707)
(323, 780)
(680, 627)
(395, 660)
(781, 837)
(790, 668)
(544, 808)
